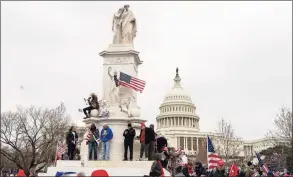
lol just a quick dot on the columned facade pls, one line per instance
(178, 120)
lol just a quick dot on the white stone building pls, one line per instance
(179, 123)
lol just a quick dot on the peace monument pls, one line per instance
(118, 102)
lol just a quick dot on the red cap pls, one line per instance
(99, 173)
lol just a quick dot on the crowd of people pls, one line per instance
(154, 148)
(149, 142)
(9, 172)
(169, 161)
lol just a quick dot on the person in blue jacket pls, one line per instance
(106, 136)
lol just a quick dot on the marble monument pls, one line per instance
(118, 106)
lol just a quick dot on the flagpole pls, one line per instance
(207, 150)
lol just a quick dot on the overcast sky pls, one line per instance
(234, 58)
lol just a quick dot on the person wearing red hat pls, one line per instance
(141, 138)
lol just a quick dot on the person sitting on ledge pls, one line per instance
(93, 104)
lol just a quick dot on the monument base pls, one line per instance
(127, 168)
(118, 123)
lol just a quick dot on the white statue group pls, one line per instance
(124, 26)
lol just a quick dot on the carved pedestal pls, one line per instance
(120, 58)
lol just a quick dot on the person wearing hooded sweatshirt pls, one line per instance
(92, 143)
(129, 135)
(71, 140)
(106, 137)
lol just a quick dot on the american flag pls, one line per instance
(264, 167)
(60, 150)
(213, 157)
(88, 136)
(131, 82)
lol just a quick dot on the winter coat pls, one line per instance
(70, 138)
(150, 135)
(129, 135)
(96, 135)
(106, 134)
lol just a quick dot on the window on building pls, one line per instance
(182, 142)
(189, 143)
(194, 143)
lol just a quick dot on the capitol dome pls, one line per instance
(177, 112)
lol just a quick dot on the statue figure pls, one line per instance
(177, 71)
(116, 26)
(114, 88)
(124, 26)
(130, 107)
(104, 109)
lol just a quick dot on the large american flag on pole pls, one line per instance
(131, 82)
(213, 157)
(264, 167)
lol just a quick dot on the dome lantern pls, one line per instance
(177, 79)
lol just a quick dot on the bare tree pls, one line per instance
(228, 144)
(283, 133)
(30, 135)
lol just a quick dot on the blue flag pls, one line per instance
(59, 174)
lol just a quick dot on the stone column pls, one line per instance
(197, 144)
(192, 144)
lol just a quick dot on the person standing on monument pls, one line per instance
(150, 138)
(129, 135)
(106, 137)
(93, 142)
(141, 138)
(71, 140)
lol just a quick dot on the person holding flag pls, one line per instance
(93, 142)
(264, 167)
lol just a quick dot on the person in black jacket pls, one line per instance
(150, 138)
(129, 135)
(71, 140)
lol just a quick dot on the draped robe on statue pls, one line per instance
(128, 27)
(116, 27)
